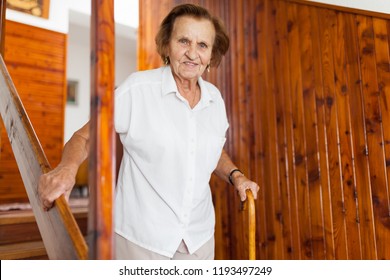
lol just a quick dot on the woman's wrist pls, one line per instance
(233, 174)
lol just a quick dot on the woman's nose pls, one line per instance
(191, 52)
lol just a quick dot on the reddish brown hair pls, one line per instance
(221, 41)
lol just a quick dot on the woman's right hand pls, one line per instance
(61, 180)
(55, 183)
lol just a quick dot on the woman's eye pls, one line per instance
(183, 41)
(203, 45)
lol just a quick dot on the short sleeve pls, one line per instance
(122, 108)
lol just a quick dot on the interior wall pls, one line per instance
(307, 90)
(78, 69)
(57, 21)
(36, 61)
(378, 6)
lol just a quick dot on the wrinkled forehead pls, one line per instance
(193, 27)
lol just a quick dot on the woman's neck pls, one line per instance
(190, 91)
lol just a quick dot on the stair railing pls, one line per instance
(60, 233)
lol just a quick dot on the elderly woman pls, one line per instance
(172, 125)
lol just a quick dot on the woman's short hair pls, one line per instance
(221, 41)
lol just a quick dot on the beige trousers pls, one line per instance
(127, 250)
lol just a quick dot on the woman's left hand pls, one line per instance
(242, 184)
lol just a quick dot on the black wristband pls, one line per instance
(231, 174)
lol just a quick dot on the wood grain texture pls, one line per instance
(374, 135)
(102, 135)
(3, 6)
(36, 61)
(306, 89)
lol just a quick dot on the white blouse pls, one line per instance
(170, 150)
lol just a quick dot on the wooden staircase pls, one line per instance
(20, 236)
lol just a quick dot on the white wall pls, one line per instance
(125, 11)
(126, 17)
(381, 6)
(78, 68)
(57, 21)
(64, 12)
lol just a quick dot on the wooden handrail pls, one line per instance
(60, 233)
(249, 205)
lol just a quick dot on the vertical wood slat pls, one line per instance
(285, 127)
(3, 7)
(314, 246)
(359, 144)
(299, 163)
(256, 139)
(374, 134)
(269, 108)
(241, 138)
(382, 53)
(313, 182)
(331, 125)
(301, 90)
(60, 232)
(342, 110)
(320, 40)
(102, 136)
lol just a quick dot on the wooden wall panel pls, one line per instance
(36, 60)
(374, 134)
(307, 92)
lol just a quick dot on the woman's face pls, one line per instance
(190, 47)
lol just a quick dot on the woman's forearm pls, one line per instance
(76, 150)
(225, 166)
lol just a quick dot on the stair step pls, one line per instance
(20, 237)
(23, 250)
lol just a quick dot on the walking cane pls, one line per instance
(250, 201)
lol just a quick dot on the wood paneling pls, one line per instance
(36, 60)
(307, 90)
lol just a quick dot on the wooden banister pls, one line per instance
(60, 233)
(102, 135)
(249, 205)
